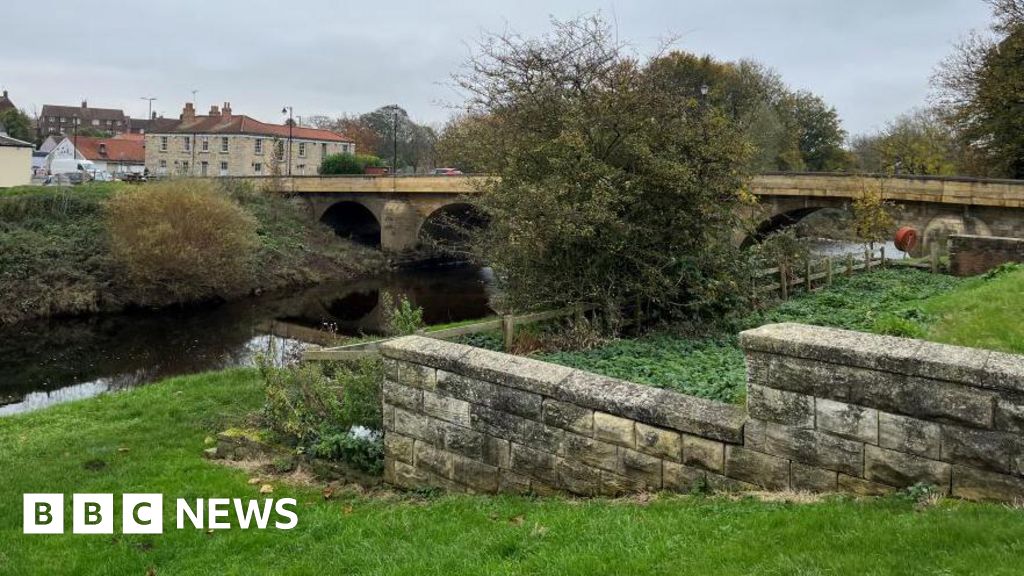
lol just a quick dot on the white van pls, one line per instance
(70, 165)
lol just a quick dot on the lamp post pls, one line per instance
(394, 141)
(288, 110)
(74, 138)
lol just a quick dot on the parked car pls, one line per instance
(447, 172)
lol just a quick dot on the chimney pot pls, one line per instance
(214, 110)
(85, 104)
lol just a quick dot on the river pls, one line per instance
(55, 360)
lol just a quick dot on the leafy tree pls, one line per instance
(873, 219)
(415, 143)
(818, 134)
(364, 137)
(979, 91)
(17, 124)
(914, 143)
(789, 131)
(617, 186)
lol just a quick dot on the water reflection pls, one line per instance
(55, 360)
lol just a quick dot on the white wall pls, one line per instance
(15, 166)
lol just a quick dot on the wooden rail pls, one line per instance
(786, 277)
(506, 324)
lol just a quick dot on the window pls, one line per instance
(205, 144)
(323, 150)
(117, 123)
(184, 167)
(54, 119)
(163, 143)
(280, 149)
(95, 122)
(259, 145)
(63, 119)
(188, 143)
(204, 168)
(110, 122)
(223, 168)
(257, 168)
(163, 164)
(224, 144)
(302, 149)
(301, 169)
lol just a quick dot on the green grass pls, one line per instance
(983, 312)
(162, 426)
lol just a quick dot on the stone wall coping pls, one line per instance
(992, 239)
(970, 366)
(647, 404)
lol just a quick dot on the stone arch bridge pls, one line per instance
(396, 213)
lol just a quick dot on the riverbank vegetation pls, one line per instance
(706, 360)
(107, 247)
(151, 440)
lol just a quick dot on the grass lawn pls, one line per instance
(983, 312)
(151, 440)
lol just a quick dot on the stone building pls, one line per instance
(222, 143)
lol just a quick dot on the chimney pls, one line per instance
(5, 93)
(85, 104)
(214, 111)
(188, 113)
(225, 110)
(154, 116)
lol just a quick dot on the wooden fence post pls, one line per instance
(867, 259)
(934, 256)
(508, 330)
(783, 280)
(881, 255)
(849, 264)
(807, 275)
(828, 270)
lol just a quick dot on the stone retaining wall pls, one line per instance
(972, 255)
(828, 410)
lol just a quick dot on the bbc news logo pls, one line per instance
(143, 513)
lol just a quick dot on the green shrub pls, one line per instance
(349, 163)
(401, 317)
(182, 237)
(365, 453)
(316, 405)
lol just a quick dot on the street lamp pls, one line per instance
(394, 141)
(288, 110)
(74, 140)
(704, 89)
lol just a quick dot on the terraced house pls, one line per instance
(224, 144)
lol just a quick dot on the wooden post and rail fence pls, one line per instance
(783, 279)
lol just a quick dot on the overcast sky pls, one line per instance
(871, 59)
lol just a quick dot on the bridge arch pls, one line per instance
(354, 221)
(780, 221)
(448, 227)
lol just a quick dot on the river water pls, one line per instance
(56, 360)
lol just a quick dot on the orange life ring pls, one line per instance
(906, 238)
